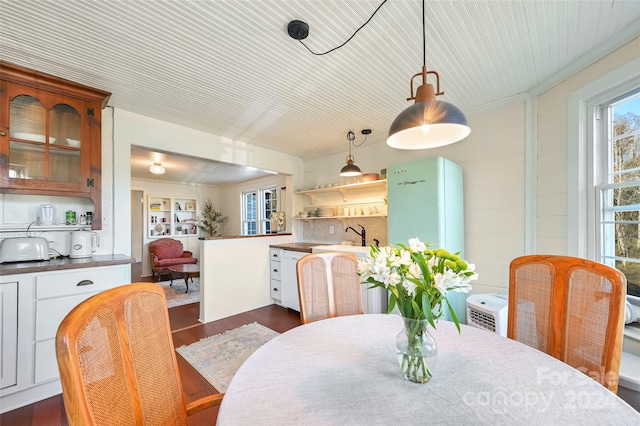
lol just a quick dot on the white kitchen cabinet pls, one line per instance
(275, 280)
(44, 299)
(9, 337)
(289, 279)
(56, 295)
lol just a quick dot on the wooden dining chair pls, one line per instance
(572, 309)
(328, 286)
(117, 361)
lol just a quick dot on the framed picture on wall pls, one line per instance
(190, 205)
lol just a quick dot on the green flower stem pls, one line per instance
(415, 368)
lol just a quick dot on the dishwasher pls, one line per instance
(289, 279)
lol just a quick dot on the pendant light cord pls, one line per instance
(353, 35)
(424, 37)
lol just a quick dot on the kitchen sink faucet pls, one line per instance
(362, 234)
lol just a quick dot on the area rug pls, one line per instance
(217, 358)
(176, 295)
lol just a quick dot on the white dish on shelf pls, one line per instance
(159, 228)
(32, 137)
(73, 142)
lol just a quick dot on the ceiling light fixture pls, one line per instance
(156, 169)
(428, 123)
(351, 169)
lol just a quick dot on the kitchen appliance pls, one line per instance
(23, 249)
(489, 312)
(46, 214)
(83, 244)
(425, 200)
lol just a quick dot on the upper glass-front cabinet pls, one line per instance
(45, 140)
(50, 136)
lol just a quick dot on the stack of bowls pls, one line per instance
(326, 212)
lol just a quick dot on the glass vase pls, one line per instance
(417, 350)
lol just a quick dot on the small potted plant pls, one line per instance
(211, 219)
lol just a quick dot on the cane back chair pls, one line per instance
(117, 361)
(570, 308)
(328, 286)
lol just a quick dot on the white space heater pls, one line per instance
(488, 311)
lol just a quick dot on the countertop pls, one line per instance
(230, 237)
(303, 247)
(64, 263)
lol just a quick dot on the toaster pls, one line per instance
(24, 249)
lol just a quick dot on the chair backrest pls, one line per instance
(117, 361)
(328, 286)
(572, 309)
(166, 248)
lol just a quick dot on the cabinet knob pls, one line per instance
(2, 133)
(275, 289)
(275, 270)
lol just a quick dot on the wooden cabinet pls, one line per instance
(169, 216)
(50, 136)
(365, 199)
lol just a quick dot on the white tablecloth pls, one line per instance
(344, 371)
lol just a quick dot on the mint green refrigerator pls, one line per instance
(425, 200)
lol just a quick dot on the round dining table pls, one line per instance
(345, 371)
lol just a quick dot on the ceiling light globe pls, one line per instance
(156, 169)
(446, 124)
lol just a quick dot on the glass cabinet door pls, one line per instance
(45, 140)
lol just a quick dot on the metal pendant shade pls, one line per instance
(350, 169)
(429, 123)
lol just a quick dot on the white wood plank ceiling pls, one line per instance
(229, 67)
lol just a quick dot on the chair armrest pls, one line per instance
(202, 403)
(187, 253)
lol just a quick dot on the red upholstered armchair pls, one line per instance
(167, 252)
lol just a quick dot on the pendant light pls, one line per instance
(156, 169)
(429, 123)
(350, 169)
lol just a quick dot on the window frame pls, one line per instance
(601, 210)
(244, 220)
(262, 213)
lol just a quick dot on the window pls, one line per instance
(617, 178)
(257, 206)
(249, 213)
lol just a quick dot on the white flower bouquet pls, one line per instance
(418, 280)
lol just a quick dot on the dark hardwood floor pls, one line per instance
(186, 330)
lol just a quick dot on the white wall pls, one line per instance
(134, 129)
(493, 161)
(553, 160)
